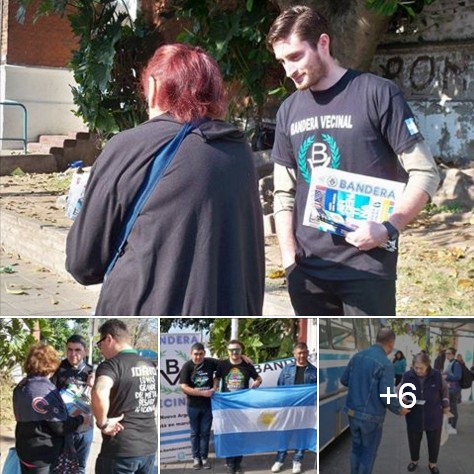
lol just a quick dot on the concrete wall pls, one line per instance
(436, 75)
(46, 93)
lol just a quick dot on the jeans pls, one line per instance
(130, 465)
(82, 443)
(200, 421)
(297, 457)
(366, 436)
(312, 296)
(454, 399)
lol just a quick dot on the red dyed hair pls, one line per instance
(190, 84)
(41, 360)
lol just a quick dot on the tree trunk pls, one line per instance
(356, 31)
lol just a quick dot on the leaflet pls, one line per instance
(336, 198)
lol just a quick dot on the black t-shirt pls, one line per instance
(200, 377)
(299, 377)
(358, 125)
(134, 393)
(235, 377)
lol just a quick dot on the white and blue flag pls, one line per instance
(264, 419)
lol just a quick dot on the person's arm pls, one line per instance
(195, 392)
(385, 384)
(423, 180)
(346, 375)
(455, 375)
(284, 180)
(445, 396)
(100, 401)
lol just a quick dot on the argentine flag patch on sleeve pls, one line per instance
(411, 125)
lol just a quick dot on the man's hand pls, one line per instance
(206, 393)
(256, 383)
(367, 235)
(113, 426)
(404, 411)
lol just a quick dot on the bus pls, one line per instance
(339, 340)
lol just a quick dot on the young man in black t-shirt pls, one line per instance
(196, 379)
(235, 375)
(124, 402)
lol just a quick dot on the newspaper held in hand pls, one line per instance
(77, 188)
(338, 198)
(77, 403)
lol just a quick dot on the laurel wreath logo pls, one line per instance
(302, 163)
(335, 153)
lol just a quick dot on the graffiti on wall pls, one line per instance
(447, 73)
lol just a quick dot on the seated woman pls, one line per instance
(40, 413)
(432, 400)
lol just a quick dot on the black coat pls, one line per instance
(197, 248)
(427, 417)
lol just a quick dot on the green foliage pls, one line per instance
(234, 34)
(16, 336)
(405, 7)
(197, 324)
(106, 66)
(263, 338)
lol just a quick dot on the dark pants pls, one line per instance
(131, 465)
(312, 296)
(234, 462)
(200, 421)
(82, 444)
(366, 436)
(454, 399)
(414, 442)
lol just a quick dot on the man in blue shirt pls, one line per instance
(299, 372)
(369, 375)
(453, 375)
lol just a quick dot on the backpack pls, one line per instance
(466, 377)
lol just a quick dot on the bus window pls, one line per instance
(362, 328)
(323, 334)
(342, 334)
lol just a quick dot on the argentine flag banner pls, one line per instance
(264, 419)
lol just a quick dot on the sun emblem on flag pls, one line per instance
(267, 418)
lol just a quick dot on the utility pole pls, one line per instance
(234, 328)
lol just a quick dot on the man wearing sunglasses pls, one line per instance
(124, 402)
(235, 374)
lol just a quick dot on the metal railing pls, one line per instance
(14, 103)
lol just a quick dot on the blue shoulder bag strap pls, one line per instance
(160, 162)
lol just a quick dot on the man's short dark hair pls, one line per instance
(385, 335)
(197, 346)
(77, 339)
(452, 349)
(235, 341)
(116, 328)
(300, 345)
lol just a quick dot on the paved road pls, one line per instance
(455, 457)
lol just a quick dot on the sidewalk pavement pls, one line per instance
(40, 286)
(256, 464)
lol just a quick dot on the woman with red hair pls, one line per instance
(196, 247)
(40, 413)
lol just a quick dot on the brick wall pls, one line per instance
(47, 42)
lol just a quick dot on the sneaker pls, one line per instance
(230, 469)
(277, 467)
(206, 464)
(296, 467)
(452, 431)
(197, 463)
(239, 470)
